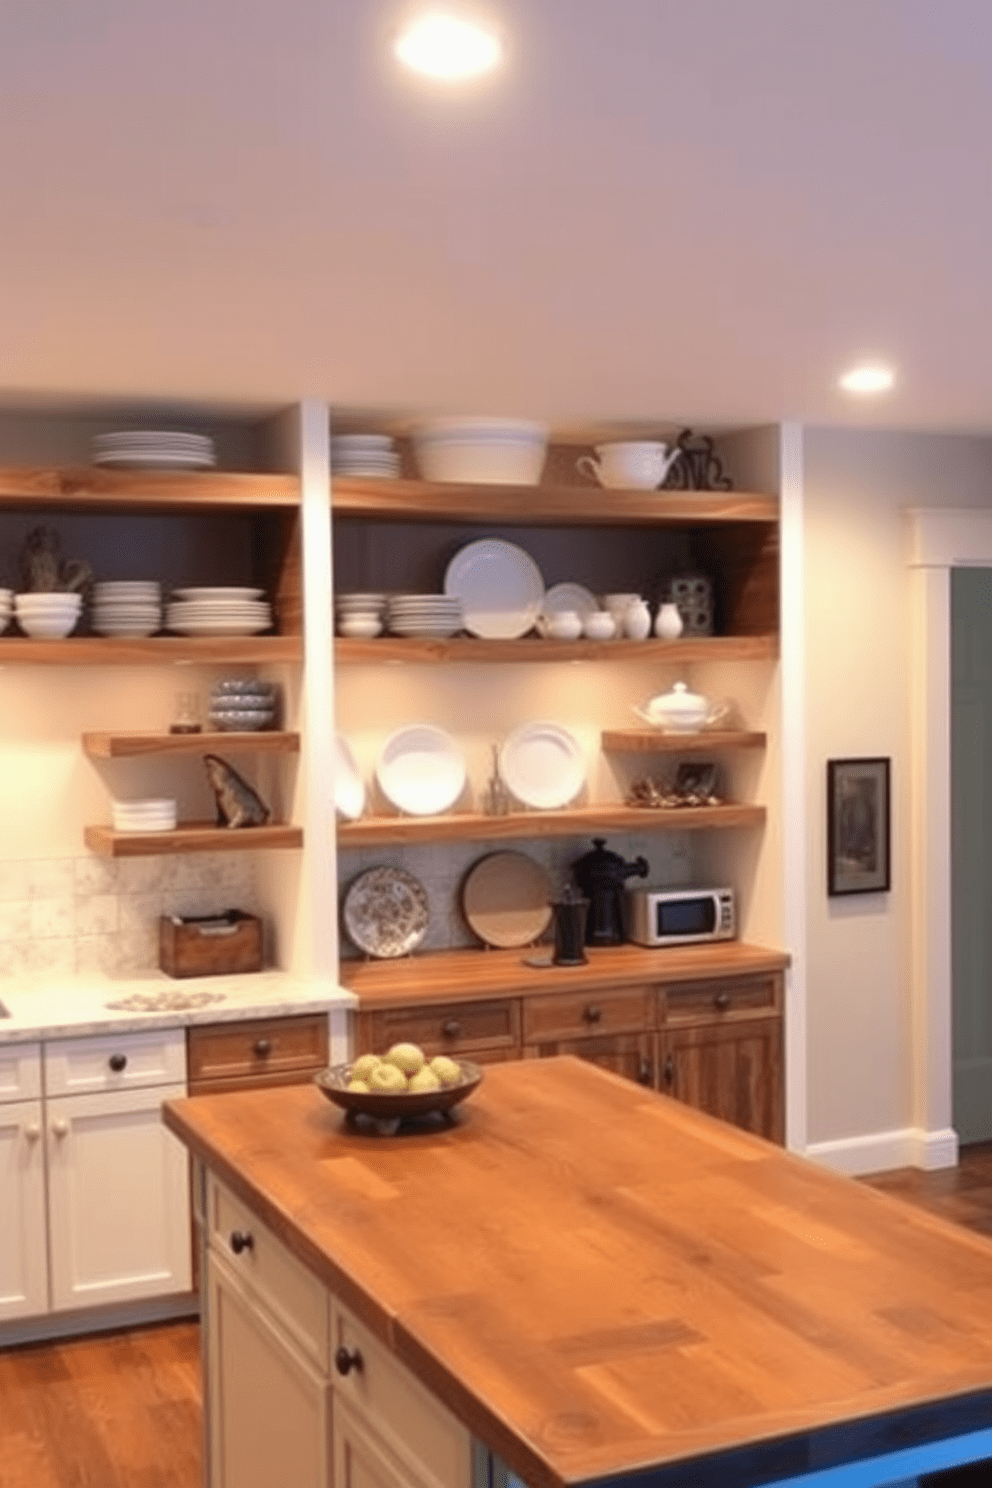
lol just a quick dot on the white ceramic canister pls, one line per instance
(637, 621)
(600, 626)
(668, 622)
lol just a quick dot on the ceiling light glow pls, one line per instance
(445, 46)
(867, 379)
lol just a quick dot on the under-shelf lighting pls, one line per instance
(868, 379)
(448, 47)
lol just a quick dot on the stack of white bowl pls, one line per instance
(360, 616)
(127, 607)
(47, 615)
(364, 454)
(6, 607)
(221, 610)
(498, 451)
(147, 815)
(424, 614)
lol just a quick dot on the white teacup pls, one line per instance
(642, 464)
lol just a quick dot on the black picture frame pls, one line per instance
(859, 831)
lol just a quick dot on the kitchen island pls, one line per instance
(596, 1282)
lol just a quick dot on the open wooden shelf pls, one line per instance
(96, 488)
(656, 741)
(575, 821)
(474, 974)
(535, 648)
(572, 506)
(124, 746)
(190, 837)
(150, 650)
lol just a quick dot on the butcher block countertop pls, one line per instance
(605, 1284)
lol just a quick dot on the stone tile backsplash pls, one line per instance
(442, 867)
(72, 916)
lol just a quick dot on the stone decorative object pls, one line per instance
(238, 805)
(653, 793)
(699, 468)
(692, 595)
(45, 571)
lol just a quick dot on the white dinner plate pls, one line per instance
(218, 593)
(156, 458)
(349, 787)
(219, 627)
(500, 587)
(569, 597)
(421, 770)
(542, 764)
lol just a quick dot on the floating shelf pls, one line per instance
(655, 741)
(572, 506)
(571, 822)
(96, 488)
(123, 746)
(190, 837)
(151, 650)
(535, 648)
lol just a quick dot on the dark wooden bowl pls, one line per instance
(390, 1105)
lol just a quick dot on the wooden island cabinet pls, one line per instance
(702, 1023)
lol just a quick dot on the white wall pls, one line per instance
(856, 484)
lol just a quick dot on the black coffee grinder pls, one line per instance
(601, 876)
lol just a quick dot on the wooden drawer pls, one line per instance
(118, 1061)
(421, 1432)
(266, 1268)
(726, 998)
(20, 1072)
(442, 1028)
(264, 1051)
(574, 1015)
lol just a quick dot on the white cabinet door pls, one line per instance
(118, 1193)
(361, 1459)
(269, 1406)
(23, 1238)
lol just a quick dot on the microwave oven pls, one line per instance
(658, 917)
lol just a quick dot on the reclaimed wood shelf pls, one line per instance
(150, 650)
(123, 746)
(657, 741)
(573, 821)
(99, 488)
(191, 837)
(535, 648)
(572, 506)
(475, 974)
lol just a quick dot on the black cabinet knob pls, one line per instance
(668, 1072)
(263, 1047)
(347, 1359)
(452, 1029)
(117, 1062)
(241, 1240)
(592, 1013)
(721, 1000)
(644, 1073)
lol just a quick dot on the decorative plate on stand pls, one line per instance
(385, 912)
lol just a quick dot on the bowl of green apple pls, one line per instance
(403, 1084)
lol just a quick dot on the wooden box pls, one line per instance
(209, 945)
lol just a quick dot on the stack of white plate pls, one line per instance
(48, 615)
(127, 607)
(360, 616)
(154, 448)
(364, 454)
(147, 815)
(6, 607)
(219, 611)
(424, 614)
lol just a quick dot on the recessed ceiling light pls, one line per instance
(867, 379)
(448, 46)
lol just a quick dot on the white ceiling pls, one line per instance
(666, 211)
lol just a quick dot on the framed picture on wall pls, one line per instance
(858, 831)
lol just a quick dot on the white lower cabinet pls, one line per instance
(95, 1190)
(298, 1390)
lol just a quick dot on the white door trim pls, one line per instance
(938, 542)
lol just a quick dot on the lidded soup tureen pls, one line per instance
(678, 711)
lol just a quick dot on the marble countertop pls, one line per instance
(74, 1006)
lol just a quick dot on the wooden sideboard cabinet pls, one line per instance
(715, 1042)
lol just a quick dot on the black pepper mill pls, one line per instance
(601, 876)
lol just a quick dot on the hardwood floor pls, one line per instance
(123, 1410)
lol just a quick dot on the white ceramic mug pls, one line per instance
(642, 464)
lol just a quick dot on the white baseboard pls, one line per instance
(881, 1151)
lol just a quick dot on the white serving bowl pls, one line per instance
(48, 627)
(45, 601)
(360, 626)
(486, 451)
